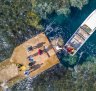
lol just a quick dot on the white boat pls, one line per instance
(82, 34)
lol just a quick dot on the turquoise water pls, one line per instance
(68, 25)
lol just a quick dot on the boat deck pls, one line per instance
(81, 35)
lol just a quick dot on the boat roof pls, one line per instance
(91, 21)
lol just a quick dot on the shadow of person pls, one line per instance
(39, 45)
(35, 67)
(45, 50)
(32, 63)
(35, 54)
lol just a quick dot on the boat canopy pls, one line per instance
(91, 22)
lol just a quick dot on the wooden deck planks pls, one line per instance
(43, 62)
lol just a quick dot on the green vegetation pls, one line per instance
(15, 25)
(69, 60)
(91, 59)
(13, 14)
(78, 3)
(33, 20)
(44, 7)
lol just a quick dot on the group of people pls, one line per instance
(31, 60)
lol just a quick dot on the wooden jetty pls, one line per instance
(10, 70)
(82, 34)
